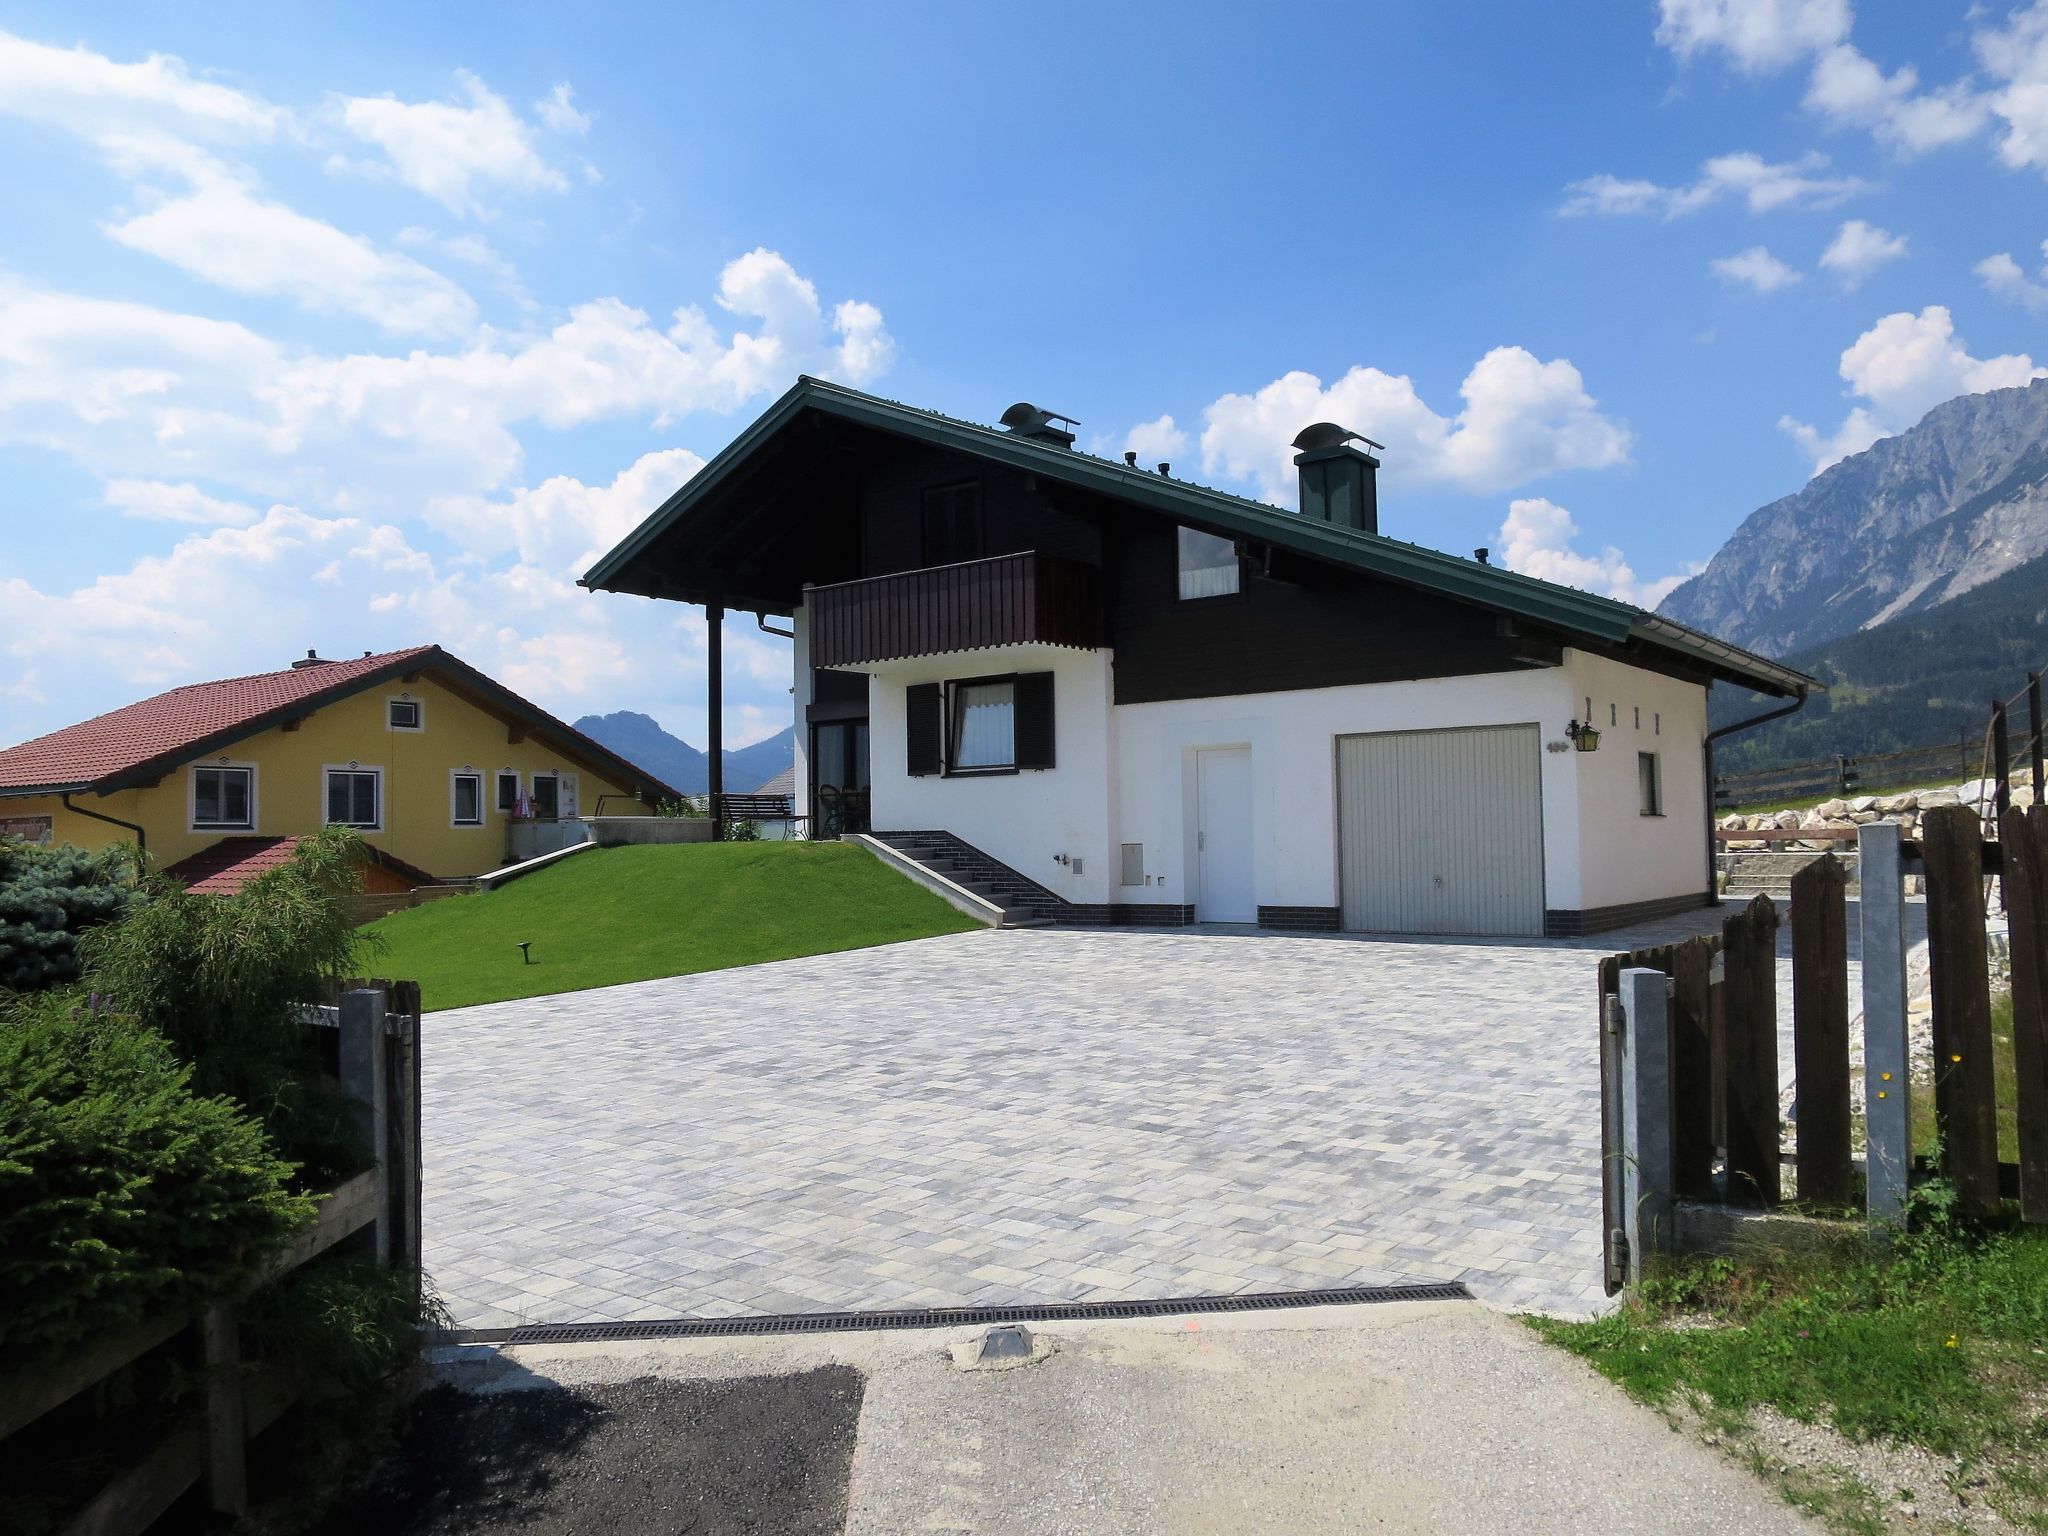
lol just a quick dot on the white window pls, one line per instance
(508, 791)
(466, 799)
(984, 725)
(224, 798)
(355, 798)
(1208, 565)
(405, 714)
(547, 800)
(1651, 781)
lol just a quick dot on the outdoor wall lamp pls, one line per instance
(1584, 737)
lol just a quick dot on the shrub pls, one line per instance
(221, 977)
(48, 897)
(123, 1193)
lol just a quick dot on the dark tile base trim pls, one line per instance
(1577, 923)
(1127, 914)
(1304, 919)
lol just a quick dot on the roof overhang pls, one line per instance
(629, 567)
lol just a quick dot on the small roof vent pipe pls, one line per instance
(1338, 481)
(1131, 457)
(1483, 555)
(1165, 468)
(1026, 420)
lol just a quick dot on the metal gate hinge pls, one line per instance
(1611, 1012)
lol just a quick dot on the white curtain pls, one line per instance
(985, 726)
(1208, 565)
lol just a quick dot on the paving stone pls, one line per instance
(1025, 1116)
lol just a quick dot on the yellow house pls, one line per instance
(431, 761)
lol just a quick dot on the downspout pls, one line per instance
(141, 838)
(770, 629)
(1707, 747)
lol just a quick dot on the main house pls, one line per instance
(1118, 696)
(427, 758)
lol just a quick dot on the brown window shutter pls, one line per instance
(1034, 720)
(922, 728)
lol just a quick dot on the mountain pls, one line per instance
(1909, 524)
(1917, 680)
(638, 739)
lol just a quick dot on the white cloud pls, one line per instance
(1859, 249)
(1901, 368)
(91, 95)
(1156, 441)
(221, 231)
(558, 111)
(562, 524)
(1523, 418)
(2017, 57)
(1764, 186)
(1536, 539)
(1850, 90)
(128, 389)
(2007, 279)
(1759, 35)
(454, 151)
(1756, 269)
(162, 501)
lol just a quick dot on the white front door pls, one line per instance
(1223, 837)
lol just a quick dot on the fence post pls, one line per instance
(1820, 1031)
(1647, 1167)
(227, 1464)
(1750, 1030)
(2034, 731)
(1965, 1094)
(363, 1084)
(2001, 758)
(2023, 838)
(1887, 1101)
(403, 1000)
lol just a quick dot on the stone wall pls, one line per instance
(1862, 810)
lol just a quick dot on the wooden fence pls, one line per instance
(1960, 759)
(1689, 1045)
(370, 1038)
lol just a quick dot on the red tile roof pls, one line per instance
(225, 867)
(167, 724)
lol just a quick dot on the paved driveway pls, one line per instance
(1025, 1116)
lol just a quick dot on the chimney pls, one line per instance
(310, 659)
(1026, 420)
(1337, 480)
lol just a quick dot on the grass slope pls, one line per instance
(632, 914)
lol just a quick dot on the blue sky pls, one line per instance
(369, 327)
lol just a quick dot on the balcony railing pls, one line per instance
(1025, 599)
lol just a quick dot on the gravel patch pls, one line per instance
(648, 1457)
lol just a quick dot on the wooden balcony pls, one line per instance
(1024, 599)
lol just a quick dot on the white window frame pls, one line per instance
(417, 703)
(376, 771)
(192, 821)
(498, 778)
(455, 778)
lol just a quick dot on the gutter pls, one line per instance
(141, 838)
(1707, 749)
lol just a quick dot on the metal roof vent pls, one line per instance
(1338, 484)
(1026, 420)
(312, 659)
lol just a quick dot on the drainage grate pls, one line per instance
(945, 1317)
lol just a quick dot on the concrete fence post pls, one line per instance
(1648, 1165)
(1886, 1102)
(364, 1085)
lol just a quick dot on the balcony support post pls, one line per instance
(714, 666)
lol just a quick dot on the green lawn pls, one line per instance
(631, 914)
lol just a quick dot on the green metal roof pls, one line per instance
(1489, 586)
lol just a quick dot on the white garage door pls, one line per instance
(1442, 831)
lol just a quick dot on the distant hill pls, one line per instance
(1912, 681)
(1912, 524)
(638, 739)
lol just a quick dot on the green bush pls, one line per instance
(123, 1193)
(48, 897)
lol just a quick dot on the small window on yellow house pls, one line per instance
(467, 793)
(405, 714)
(508, 791)
(224, 799)
(547, 801)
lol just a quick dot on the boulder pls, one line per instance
(1785, 820)
(1864, 818)
(2023, 795)
(1735, 823)
(1937, 797)
(1862, 804)
(1831, 808)
(1746, 845)
(1891, 805)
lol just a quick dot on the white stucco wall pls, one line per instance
(1625, 856)
(1022, 819)
(1294, 775)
